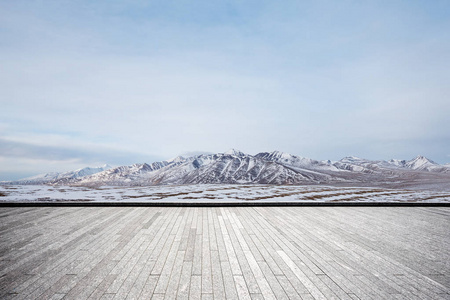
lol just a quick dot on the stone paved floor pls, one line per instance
(225, 252)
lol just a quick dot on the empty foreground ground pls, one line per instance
(225, 252)
(217, 193)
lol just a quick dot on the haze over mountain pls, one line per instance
(236, 167)
(62, 176)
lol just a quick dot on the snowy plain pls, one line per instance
(215, 193)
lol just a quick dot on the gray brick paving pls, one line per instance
(225, 253)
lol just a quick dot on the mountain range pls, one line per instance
(236, 167)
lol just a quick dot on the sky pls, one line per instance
(84, 83)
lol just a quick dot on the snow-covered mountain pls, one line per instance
(419, 163)
(234, 152)
(295, 161)
(124, 175)
(397, 162)
(236, 167)
(61, 177)
(230, 167)
(422, 163)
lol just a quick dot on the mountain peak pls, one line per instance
(420, 162)
(281, 155)
(421, 158)
(177, 159)
(352, 159)
(93, 169)
(234, 152)
(397, 162)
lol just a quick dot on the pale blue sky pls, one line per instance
(118, 82)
